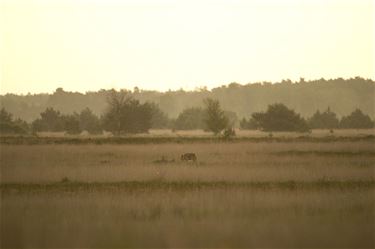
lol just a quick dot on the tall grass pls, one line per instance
(196, 136)
(243, 194)
(204, 218)
(216, 162)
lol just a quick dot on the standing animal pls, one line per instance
(189, 157)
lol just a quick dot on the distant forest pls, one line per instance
(342, 96)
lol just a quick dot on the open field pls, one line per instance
(316, 133)
(239, 194)
(195, 136)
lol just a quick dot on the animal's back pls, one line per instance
(189, 157)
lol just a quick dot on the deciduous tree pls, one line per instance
(216, 121)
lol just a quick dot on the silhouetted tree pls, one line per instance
(279, 118)
(191, 119)
(50, 120)
(126, 115)
(113, 118)
(71, 123)
(24, 127)
(89, 122)
(356, 120)
(159, 119)
(10, 126)
(324, 120)
(216, 121)
(139, 117)
(5, 117)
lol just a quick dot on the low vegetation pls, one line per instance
(277, 118)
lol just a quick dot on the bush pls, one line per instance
(10, 126)
(190, 119)
(89, 122)
(324, 120)
(356, 120)
(279, 118)
(50, 120)
(71, 124)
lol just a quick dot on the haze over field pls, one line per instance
(187, 123)
(161, 44)
(306, 97)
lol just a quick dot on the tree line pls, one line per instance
(278, 117)
(126, 115)
(303, 96)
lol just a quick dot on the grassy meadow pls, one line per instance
(239, 194)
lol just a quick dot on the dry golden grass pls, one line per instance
(216, 162)
(208, 218)
(239, 133)
(222, 216)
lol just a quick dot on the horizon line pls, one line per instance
(196, 89)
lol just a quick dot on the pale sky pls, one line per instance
(84, 45)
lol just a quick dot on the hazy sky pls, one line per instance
(85, 45)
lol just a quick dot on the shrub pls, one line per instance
(356, 120)
(279, 118)
(190, 119)
(324, 120)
